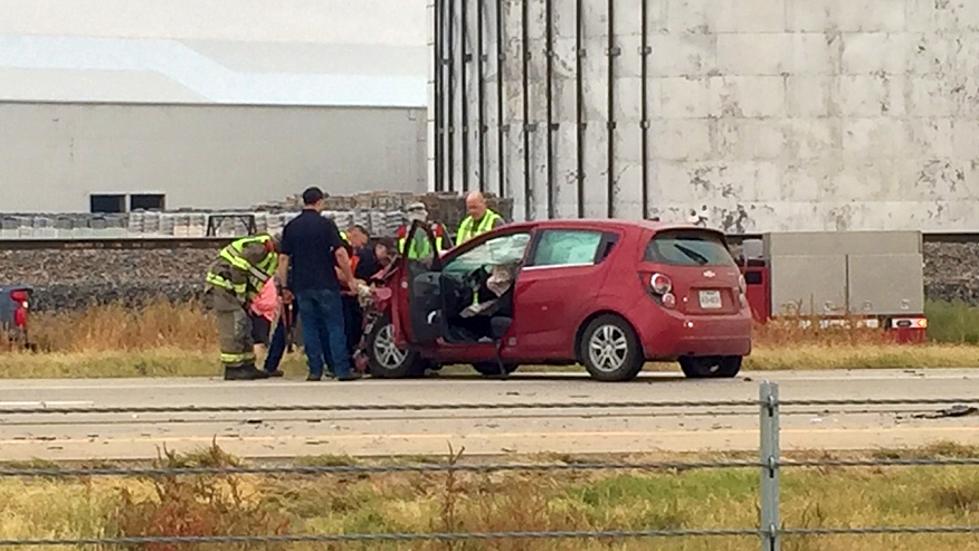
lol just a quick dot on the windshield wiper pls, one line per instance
(692, 254)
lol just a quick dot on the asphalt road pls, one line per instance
(480, 432)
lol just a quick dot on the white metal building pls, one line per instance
(208, 103)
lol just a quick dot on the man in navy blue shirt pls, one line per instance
(312, 247)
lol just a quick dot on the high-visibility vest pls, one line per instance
(419, 249)
(354, 258)
(467, 231)
(256, 274)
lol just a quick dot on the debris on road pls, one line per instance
(954, 411)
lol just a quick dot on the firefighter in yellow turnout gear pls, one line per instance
(234, 280)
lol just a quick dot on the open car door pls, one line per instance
(422, 271)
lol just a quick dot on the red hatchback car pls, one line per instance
(608, 294)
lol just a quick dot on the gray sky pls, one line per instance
(321, 52)
(393, 22)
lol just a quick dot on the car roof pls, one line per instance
(616, 224)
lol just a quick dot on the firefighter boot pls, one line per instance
(247, 372)
(233, 373)
(252, 373)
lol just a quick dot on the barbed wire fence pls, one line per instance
(770, 529)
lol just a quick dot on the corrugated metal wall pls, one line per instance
(757, 115)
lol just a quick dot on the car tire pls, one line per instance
(610, 350)
(385, 360)
(492, 369)
(711, 367)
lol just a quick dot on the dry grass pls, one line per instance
(165, 339)
(811, 498)
(115, 328)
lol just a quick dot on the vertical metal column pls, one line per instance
(644, 98)
(439, 68)
(464, 77)
(481, 90)
(612, 53)
(450, 61)
(525, 42)
(500, 124)
(579, 103)
(769, 522)
(551, 126)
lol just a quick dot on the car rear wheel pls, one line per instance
(610, 350)
(490, 369)
(711, 367)
(385, 359)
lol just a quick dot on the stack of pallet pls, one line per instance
(380, 212)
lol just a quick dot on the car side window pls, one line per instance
(504, 250)
(567, 247)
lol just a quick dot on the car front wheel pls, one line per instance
(385, 359)
(610, 350)
(711, 367)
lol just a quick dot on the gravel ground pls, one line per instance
(74, 279)
(951, 271)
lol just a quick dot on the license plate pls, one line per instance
(710, 300)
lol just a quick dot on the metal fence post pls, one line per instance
(769, 522)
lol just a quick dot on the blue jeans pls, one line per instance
(324, 338)
(277, 348)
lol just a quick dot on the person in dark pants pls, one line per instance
(366, 265)
(312, 246)
(274, 344)
(277, 349)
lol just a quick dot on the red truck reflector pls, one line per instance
(909, 323)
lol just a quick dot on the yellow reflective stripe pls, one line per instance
(234, 259)
(401, 245)
(242, 264)
(219, 281)
(237, 358)
(222, 283)
(269, 263)
(240, 244)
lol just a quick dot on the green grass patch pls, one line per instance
(952, 322)
(469, 502)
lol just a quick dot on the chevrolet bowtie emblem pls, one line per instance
(709, 274)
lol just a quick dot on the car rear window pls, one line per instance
(688, 248)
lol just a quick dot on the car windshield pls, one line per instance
(688, 248)
(503, 250)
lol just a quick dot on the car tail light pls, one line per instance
(662, 287)
(20, 317)
(743, 291)
(20, 297)
(661, 284)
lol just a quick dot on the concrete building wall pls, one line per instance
(763, 114)
(54, 155)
